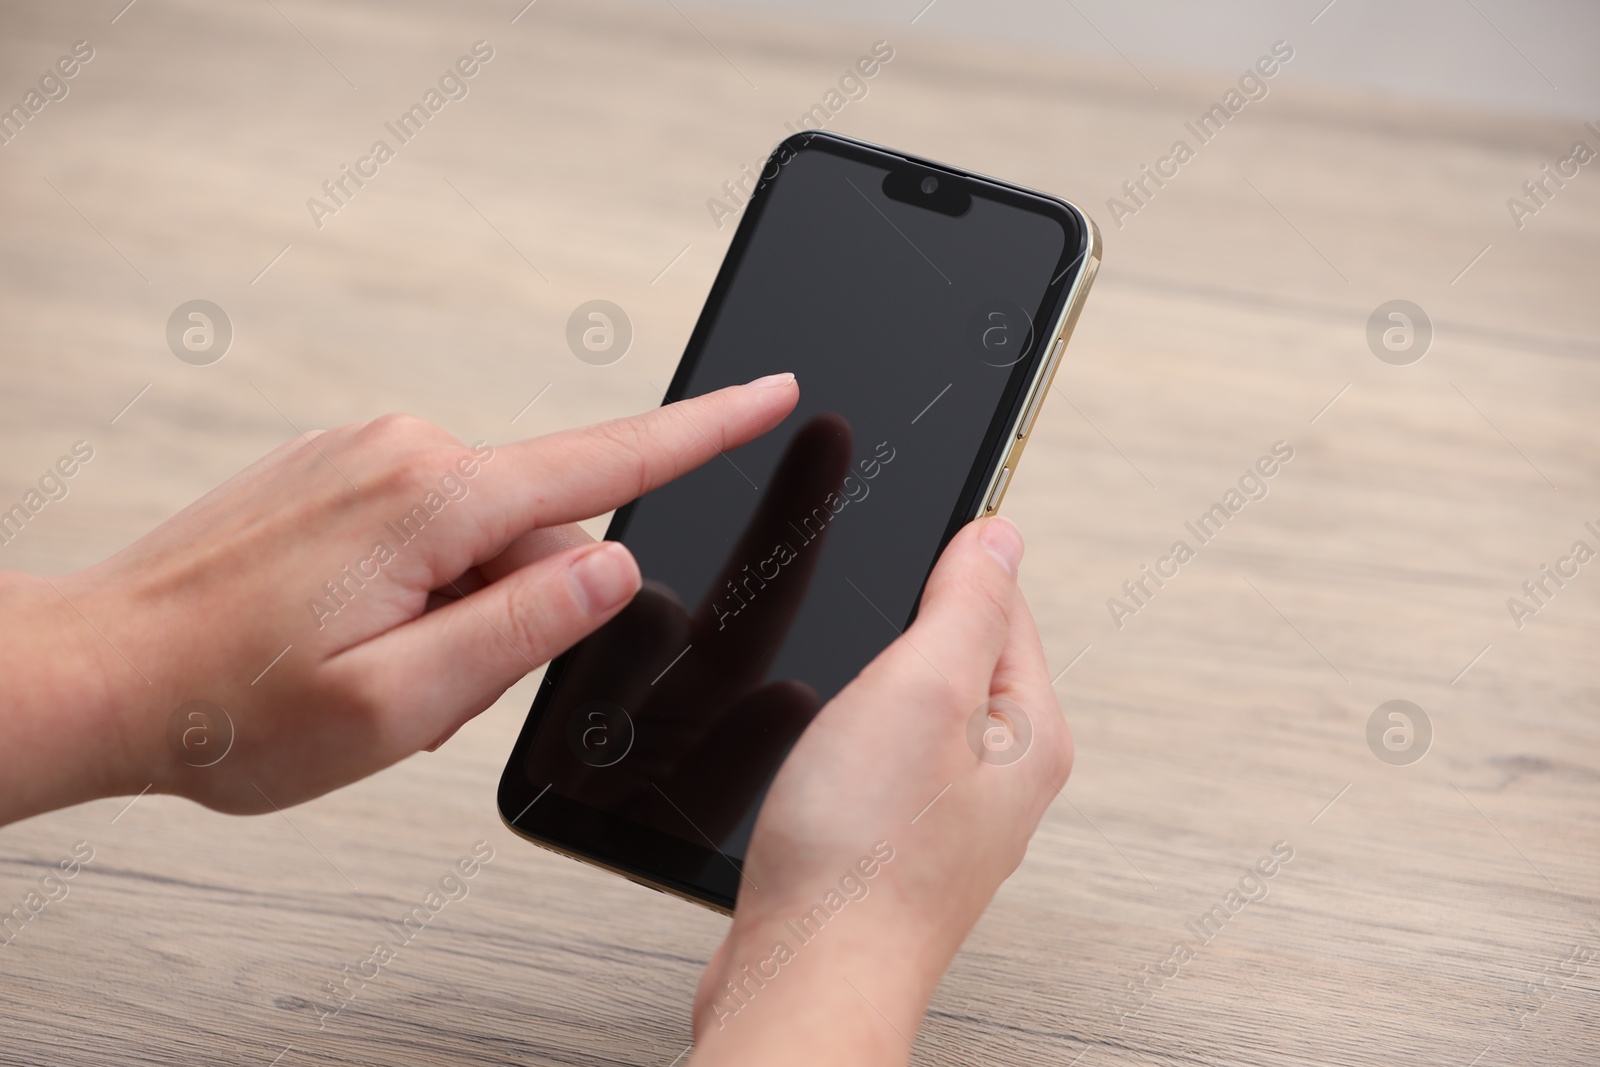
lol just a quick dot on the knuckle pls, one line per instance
(533, 615)
(988, 604)
(411, 425)
(403, 447)
(400, 433)
(398, 427)
(1055, 743)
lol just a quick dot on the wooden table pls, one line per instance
(1424, 903)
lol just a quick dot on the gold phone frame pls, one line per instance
(1027, 416)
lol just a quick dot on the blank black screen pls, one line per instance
(775, 573)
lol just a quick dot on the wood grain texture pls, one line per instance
(1222, 718)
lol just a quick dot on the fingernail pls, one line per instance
(772, 380)
(1003, 541)
(605, 578)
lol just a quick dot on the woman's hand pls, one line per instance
(396, 582)
(905, 804)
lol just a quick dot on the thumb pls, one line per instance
(429, 676)
(964, 618)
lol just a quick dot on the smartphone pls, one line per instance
(924, 310)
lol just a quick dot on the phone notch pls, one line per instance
(928, 188)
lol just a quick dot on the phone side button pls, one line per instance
(1036, 401)
(998, 491)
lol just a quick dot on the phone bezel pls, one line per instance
(704, 875)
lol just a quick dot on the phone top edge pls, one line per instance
(1090, 231)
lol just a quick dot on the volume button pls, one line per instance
(1041, 386)
(999, 490)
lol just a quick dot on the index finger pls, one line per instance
(578, 474)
